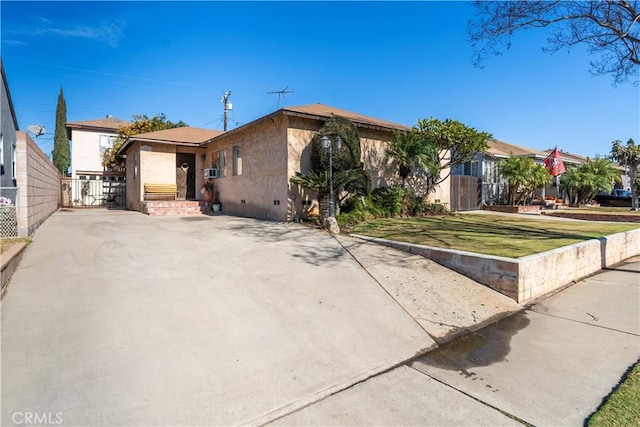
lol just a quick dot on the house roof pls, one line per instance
(321, 111)
(568, 157)
(504, 149)
(184, 136)
(109, 123)
(6, 89)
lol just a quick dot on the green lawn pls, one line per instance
(622, 408)
(500, 235)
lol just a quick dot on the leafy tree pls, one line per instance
(584, 181)
(628, 156)
(451, 144)
(348, 157)
(61, 150)
(141, 124)
(349, 176)
(411, 153)
(609, 30)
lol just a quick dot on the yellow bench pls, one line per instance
(160, 191)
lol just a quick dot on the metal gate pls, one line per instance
(466, 193)
(102, 191)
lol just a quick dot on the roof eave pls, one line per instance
(355, 122)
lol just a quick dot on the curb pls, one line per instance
(10, 260)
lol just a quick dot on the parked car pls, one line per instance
(617, 198)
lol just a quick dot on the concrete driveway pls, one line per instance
(117, 318)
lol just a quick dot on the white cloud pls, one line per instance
(15, 42)
(109, 33)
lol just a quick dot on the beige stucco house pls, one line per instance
(256, 161)
(158, 157)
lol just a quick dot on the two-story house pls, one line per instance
(90, 183)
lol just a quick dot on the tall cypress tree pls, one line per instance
(61, 149)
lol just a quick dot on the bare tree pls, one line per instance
(609, 30)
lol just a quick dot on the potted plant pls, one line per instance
(211, 195)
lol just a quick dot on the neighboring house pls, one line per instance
(28, 177)
(89, 140)
(8, 128)
(90, 184)
(492, 188)
(159, 157)
(256, 161)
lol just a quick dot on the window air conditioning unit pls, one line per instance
(211, 173)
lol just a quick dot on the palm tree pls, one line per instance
(516, 171)
(539, 177)
(319, 182)
(599, 175)
(412, 154)
(585, 181)
(571, 181)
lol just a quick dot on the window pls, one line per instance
(13, 162)
(1, 154)
(221, 162)
(237, 160)
(106, 142)
(471, 168)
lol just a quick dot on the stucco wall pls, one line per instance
(264, 180)
(85, 151)
(38, 181)
(373, 146)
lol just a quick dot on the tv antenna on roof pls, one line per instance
(281, 93)
(37, 130)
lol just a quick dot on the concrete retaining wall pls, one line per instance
(531, 277)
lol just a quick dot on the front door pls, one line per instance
(186, 175)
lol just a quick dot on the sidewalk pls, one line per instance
(551, 364)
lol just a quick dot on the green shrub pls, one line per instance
(433, 209)
(386, 202)
(389, 199)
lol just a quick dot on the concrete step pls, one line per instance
(176, 207)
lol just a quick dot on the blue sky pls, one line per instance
(390, 60)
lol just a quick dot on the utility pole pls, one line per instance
(227, 106)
